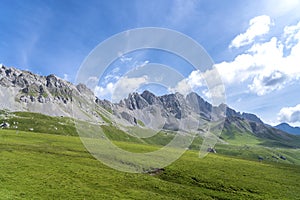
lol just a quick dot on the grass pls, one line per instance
(105, 119)
(240, 138)
(242, 145)
(24, 121)
(49, 166)
(141, 123)
(54, 164)
(237, 136)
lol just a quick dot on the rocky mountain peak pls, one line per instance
(82, 88)
(150, 98)
(135, 101)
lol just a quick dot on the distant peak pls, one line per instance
(288, 128)
(284, 124)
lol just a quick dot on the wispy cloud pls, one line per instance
(125, 59)
(181, 11)
(280, 8)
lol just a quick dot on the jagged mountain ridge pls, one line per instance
(180, 106)
(31, 88)
(50, 95)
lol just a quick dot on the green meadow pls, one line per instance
(51, 166)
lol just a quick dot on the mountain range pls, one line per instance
(50, 95)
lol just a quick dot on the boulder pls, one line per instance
(5, 125)
(211, 150)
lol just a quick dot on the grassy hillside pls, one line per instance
(41, 157)
(234, 134)
(45, 166)
(240, 144)
(36, 122)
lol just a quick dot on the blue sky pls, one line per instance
(254, 44)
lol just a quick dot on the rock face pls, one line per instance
(174, 108)
(171, 111)
(25, 91)
(34, 88)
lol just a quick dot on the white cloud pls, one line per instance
(120, 89)
(125, 59)
(116, 87)
(92, 82)
(126, 85)
(258, 26)
(266, 66)
(198, 80)
(187, 85)
(292, 34)
(104, 92)
(215, 93)
(182, 87)
(115, 70)
(66, 77)
(263, 84)
(232, 72)
(141, 64)
(289, 114)
(195, 79)
(110, 78)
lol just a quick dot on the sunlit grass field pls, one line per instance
(50, 166)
